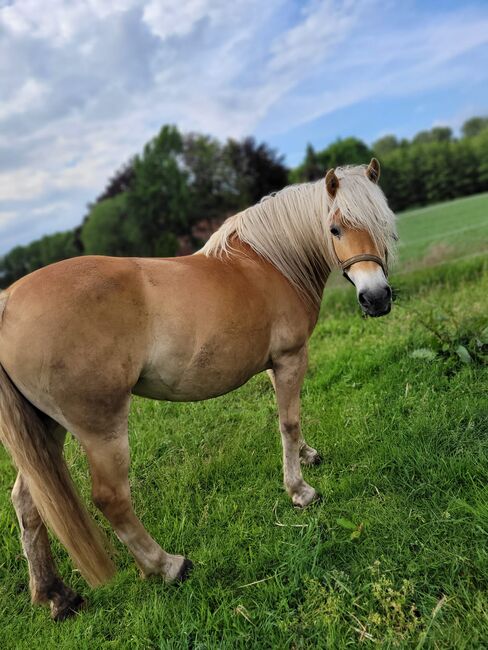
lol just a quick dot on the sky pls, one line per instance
(85, 83)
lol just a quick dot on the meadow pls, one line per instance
(396, 552)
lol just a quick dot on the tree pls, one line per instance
(203, 162)
(158, 198)
(349, 151)
(107, 229)
(25, 259)
(480, 149)
(252, 171)
(465, 168)
(438, 174)
(120, 182)
(385, 145)
(310, 170)
(437, 134)
(474, 126)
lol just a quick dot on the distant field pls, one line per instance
(446, 231)
(394, 555)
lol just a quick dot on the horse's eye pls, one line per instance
(334, 230)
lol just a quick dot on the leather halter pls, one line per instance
(364, 257)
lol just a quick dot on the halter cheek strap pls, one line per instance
(364, 257)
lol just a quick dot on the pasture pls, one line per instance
(395, 553)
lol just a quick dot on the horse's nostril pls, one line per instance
(388, 291)
(362, 298)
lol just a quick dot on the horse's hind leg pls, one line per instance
(108, 458)
(308, 455)
(45, 584)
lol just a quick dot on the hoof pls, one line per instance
(67, 609)
(305, 497)
(185, 571)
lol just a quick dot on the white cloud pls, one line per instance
(27, 98)
(324, 25)
(22, 185)
(166, 18)
(58, 21)
(7, 217)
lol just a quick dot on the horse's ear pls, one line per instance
(331, 183)
(373, 170)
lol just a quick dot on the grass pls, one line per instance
(396, 552)
(447, 230)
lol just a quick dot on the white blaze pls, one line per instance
(367, 280)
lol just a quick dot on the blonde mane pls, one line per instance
(290, 229)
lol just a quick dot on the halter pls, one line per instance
(364, 257)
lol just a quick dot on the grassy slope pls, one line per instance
(447, 230)
(405, 445)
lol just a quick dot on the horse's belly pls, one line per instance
(194, 384)
(187, 363)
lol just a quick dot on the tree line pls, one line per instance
(168, 198)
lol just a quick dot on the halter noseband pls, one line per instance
(364, 257)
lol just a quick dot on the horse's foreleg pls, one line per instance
(289, 371)
(45, 584)
(109, 466)
(308, 455)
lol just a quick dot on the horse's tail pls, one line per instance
(37, 456)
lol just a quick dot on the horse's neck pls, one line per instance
(242, 250)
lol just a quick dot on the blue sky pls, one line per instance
(84, 84)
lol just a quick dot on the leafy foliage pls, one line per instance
(474, 126)
(108, 230)
(434, 166)
(25, 259)
(120, 182)
(458, 339)
(350, 151)
(157, 202)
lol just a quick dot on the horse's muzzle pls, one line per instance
(376, 302)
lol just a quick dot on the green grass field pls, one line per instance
(396, 552)
(445, 231)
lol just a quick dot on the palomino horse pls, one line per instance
(78, 337)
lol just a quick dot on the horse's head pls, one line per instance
(361, 228)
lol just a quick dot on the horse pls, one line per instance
(79, 337)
